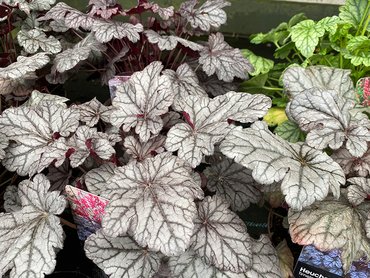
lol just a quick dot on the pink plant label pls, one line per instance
(363, 91)
(87, 209)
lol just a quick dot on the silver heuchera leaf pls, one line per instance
(71, 17)
(91, 112)
(88, 141)
(37, 98)
(31, 236)
(143, 150)
(358, 166)
(220, 236)
(69, 58)
(358, 190)
(234, 183)
(106, 30)
(24, 65)
(307, 174)
(142, 100)
(297, 79)
(4, 142)
(215, 87)
(12, 202)
(38, 134)
(97, 179)
(35, 39)
(166, 42)
(209, 15)
(207, 122)
(121, 257)
(325, 115)
(185, 82)
(17, 87)
(314, 225)
(153, 201)
(265, 264)
(220, 58)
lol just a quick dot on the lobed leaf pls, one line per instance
(306, 36)
(307, 174)
(121, 257)
(153, 202)
(38, 134)
(220, 237)
(142, 150)
(298, 79)
(220, 58)
(207, 122)
(96, 180)
(92, 111)
(107, 30)
(209, 15)
(353, 11)
(358, 190)
(359, 166)
(32, 235)
(314, 225)
(35, 39)
(184, 82)
(142, 100)
(326, 118)
(234, 183)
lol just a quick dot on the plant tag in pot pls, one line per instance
(316, 264)
(363, 91)
(116, 81)
(87, 210)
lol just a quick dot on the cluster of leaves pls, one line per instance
(165, 214)
(340, 41)
(109, 40)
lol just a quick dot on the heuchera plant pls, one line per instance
(177, 153)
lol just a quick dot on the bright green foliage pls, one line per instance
(261, 65)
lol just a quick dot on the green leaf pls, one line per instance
(296, 19)
(353, 12)
(284, 51)
(275, 116)
(306, 36)
(275, 35)
(358, 51)
(255, 84)
(261, 65)
(290, 131)
(329, 24)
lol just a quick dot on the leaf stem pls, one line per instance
(366, 23)
(67, 223)
(363, 19)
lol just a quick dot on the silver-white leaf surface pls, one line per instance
(185, 82)
(107, 30)
(219, 58)
(209, 15)
(141, 150)
(358, 190)
(97, 179)
(234, 183)
(35, 39)
(121, 257)
(297, 79)
(220, 236)
(357, 166)
(207, 122)
(142, 100)
(31, 236)
(153, 201)
(325, 115)
(38, 136)
(307, 174)
(92, 111)
(314, 225)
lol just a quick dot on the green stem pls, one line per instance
(340, 54)
(362, 20)
(366, 24)
(272, 88)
